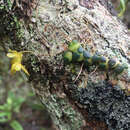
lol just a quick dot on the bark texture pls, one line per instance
(46, 27)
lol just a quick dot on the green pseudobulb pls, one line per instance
(75, 57)
(76, 53)
(120, 68)
(88, 62)
(87, 58)
(96, 59)
(103, 64)
(112, 63)
(80, 52)
(73, 46)
(67, 57)
(76, 49)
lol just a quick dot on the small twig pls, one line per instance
(79, 72)
(93, 71)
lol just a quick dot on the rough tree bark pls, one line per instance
(46, 27)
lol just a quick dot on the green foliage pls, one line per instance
(122, 7)
(7, 110)
(36, 106)
(15, 125)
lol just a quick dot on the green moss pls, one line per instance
(10, 26)
(71, 114)
(64, 112)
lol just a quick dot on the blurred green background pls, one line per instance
(19, 107)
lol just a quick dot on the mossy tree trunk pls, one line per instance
(46, 27)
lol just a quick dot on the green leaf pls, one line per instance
(14, 103)
(3, 120)
(16, 125)
(10, 98)
(7, 107)
(5, 116)
(36, 106)
(17, 104)
(122, 7)
(2, 107)
(31, 94)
